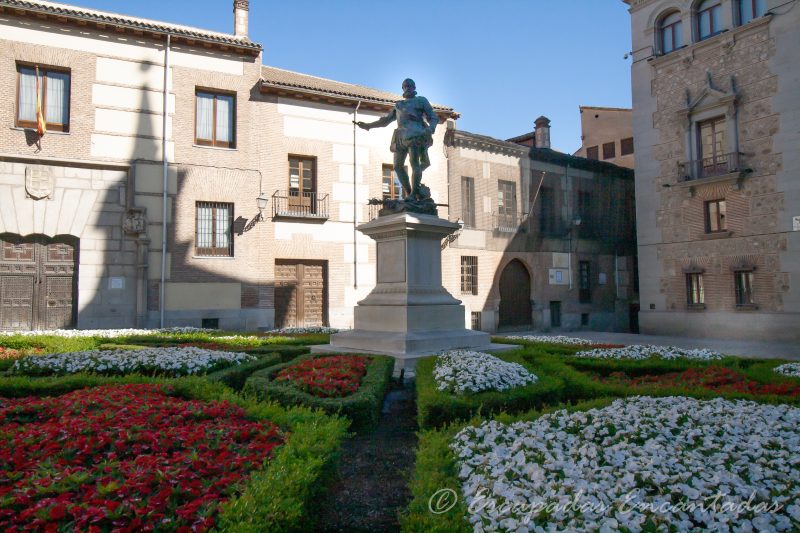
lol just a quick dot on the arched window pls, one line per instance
(669, 33)
(709, 18)
(751, 9)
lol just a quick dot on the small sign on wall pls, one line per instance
(558, 276)
(796, 223)
(601, 279)
(116, 284)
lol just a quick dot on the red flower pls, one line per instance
(327, 377)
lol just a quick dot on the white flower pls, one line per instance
(461, 371)
(789, 369)
(312, 329)
(178, 360)
(552, 339)
(634, 462)
(104, 333)
(636, 351)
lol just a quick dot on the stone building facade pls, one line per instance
(715, 113)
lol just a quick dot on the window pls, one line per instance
(715, 216)
(585, 211)
(506, 203)
(626, 146)
(469, 274)
(751, 9)
(713, 160)
(670, 33)
(468, 201)
(694, 289)
(475, 317)
(547, 214)
(592, 153)
(609, 151)
(743, 281)
(585, 282)
(54, 92)
(215, 119)
(391, 185)
(584, 319)
(302, 185)
(214, 229)
(709, 18)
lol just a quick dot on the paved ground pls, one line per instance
(757, 349)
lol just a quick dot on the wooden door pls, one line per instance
(300, 293)
(515, 295)
(38, 282)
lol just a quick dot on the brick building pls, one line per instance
(607, 135)
(182, 182)
(716, 115)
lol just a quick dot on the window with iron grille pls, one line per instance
(626, 146)
(715, 216)
(609, 150)
(585, 282)
(592, 153)
(468, 201)
(743, 282)
(53, 97)
(215, 119)
(476, 320)
(214, 229)
(507, 199)
(469, 274)
(694, 288)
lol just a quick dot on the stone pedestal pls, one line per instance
(409, 314)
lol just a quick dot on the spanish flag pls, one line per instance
(41, 125)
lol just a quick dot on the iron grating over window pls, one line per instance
(469, 274)
(476, 320)
(214, 229)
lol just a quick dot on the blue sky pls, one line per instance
(500, 63)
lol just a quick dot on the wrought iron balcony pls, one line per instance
(509, 223)
(709, 167)
(296, 204)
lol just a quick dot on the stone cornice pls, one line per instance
(481, 142)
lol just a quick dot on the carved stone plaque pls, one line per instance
(134, 221)
(39, 181)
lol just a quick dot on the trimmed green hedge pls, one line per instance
(235, 376)
(436, 408)
(363, 407)
(435, 481)
(279, 497)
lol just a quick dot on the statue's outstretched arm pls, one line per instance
(433, 118)
(381, 122)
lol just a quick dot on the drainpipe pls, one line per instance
(571, 226)
(164, 197)
(355, 208)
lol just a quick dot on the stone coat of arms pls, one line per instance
(39, 182)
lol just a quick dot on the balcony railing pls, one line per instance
(508, 223)
(296, 204)
(708, 167)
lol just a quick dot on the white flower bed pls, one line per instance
(172, 361)
(553, 339)
(789, 369)
(104, 333)
(680, 462)
(461, 371)
(299, 331)
(638, 351)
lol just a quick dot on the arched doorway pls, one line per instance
(515, 296)
(38, 282)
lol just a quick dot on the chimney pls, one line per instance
(542, 132)
(241, 10)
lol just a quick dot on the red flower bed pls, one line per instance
(715, 378)
(327, 377)
(123, 458)
(12, 353)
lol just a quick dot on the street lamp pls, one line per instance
(261, 201)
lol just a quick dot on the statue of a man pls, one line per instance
(416, 123)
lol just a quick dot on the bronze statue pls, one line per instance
(416, 123)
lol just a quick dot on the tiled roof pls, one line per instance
(278, 78)
(134, 23)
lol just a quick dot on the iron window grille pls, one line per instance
(475, 320)
(743, 283)
(585, 282)
(468, 201)
(214, 229)
(469, 274)
(694, 289)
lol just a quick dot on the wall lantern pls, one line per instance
(262, 203)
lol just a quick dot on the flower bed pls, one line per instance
(168, 361)
(789, 369)
(465, 371)
(640, 463)
(327, 377)
(300, 382)
(102, 333)
(637, 351)
(549, 339)
(303, 331)
(438, 405)
(714, 378)
(126, 456)
(13, 353)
